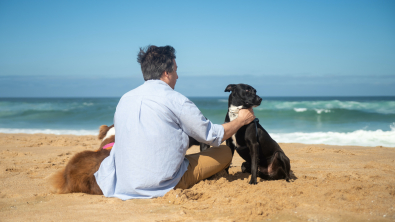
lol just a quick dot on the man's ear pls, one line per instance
(230, 87)
(164, 74)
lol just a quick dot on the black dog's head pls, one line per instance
(243, 95)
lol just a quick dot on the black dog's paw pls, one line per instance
(246, 167)
(253, 182)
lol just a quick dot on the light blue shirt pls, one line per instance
(152, 124)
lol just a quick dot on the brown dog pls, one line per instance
(78, 176)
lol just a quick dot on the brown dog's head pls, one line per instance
(106, 134)
(103, 131)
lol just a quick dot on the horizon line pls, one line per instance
(108, 97)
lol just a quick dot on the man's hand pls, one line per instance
(245, 117)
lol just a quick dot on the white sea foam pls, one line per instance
(299, 110)
(50, 131)
(319, 111)
(358, 138)
(382, 107)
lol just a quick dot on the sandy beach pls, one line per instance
(331, 183)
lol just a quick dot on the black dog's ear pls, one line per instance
(230, 87)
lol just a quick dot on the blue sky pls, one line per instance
(282, 48)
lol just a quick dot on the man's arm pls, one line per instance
(245, 117)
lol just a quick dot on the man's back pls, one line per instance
(152, 130)
(146, 122)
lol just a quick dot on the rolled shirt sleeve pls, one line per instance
(197, 126)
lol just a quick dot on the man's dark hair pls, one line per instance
(155, 60)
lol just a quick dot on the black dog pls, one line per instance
(261, 153)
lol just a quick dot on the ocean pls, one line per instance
(363, 121)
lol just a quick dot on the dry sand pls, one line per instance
(333, 183)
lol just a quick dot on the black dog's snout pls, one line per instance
(258, 100)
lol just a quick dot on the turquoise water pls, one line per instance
(367, 121)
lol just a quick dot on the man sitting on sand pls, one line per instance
(152, 124)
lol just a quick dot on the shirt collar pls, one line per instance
(156, 81)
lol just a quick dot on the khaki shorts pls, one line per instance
(205, 164)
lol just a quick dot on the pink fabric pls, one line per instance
(108, 145)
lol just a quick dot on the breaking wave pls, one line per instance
(357, 138)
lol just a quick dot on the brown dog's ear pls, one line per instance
(103, 131)
(230, 87)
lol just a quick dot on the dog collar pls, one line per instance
(108, 146)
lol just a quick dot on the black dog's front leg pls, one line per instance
(230, 144)
(232, 149)
(254, 151)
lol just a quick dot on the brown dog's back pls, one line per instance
(78, 174)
